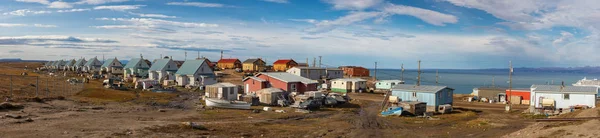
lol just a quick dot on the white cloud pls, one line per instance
(304, 20)
(277, 1)
(118, 7)
(45, 2)
(429, 16)
(98, 2)
(353, 4)
(73, 10)
(325, 26)
(44, 25)
(197, 4)
(60, 5)
(155, 22)
(25, 12)
(26, 25)
(565, 37)
(11, 25)
(153, 15)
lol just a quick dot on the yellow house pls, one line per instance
(253, 65)
(232, 63)
(284, 64)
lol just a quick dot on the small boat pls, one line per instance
(211, 102)
(392, 111)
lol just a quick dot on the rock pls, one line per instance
(302, 111)
(268, 109)
(193, 125)
(280, 111)
(29, 120)
(13, 116)
(97, 108)
(162, 110)
(7, 105)
(255, 111)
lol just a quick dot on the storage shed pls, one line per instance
(270, 96)
(492, 93)
(226, 91)
(434, 96)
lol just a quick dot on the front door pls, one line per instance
(247, 88)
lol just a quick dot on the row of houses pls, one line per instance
(540, 96)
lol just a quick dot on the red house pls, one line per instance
(283, 80)
(523, 93)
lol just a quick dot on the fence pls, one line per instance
(18, 86)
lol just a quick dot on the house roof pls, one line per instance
(80, 62)
(90, 62)
(60, 63)
(159, 64)
(51, 63)
(48, 63)
(190, 67)
(283, 61)
(421, 88)
(288, 77)
(349, 79)
(107, 64)
(255, 78)
(390, 81)
(334, 69)
(564, 89)
(303, 64)
(310, 68)
(228, 60)
(70, 62)
(223, 84)
(252, 60)
(133, 62)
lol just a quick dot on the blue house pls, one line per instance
(434, 96)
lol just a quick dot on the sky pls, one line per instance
(448, 34)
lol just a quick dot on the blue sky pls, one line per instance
(457, 34)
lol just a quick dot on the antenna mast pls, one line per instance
(436, 77)
(375, 73)
(419, 74)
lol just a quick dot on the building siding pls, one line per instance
(574, 99)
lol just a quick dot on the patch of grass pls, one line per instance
(100, 95)
(532, 116)
(159, 98)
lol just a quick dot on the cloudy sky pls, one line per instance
(442, 33)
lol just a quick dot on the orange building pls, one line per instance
(229, 63)
(284, 64)
(355, 71)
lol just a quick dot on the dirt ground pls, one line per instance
(99, 112)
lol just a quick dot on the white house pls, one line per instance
(348, 85)
(68, 65)
(79, 64)
(136, 67)
(313, 73)
(92, 65)
(163, 69)
(563, 96)
(59, 65)
(196, 73)
(112, 66)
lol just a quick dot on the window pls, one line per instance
(168, 66)
(380, 83)
(293, 87)
(201, 69)
(114, 64)
(566, 96)
(414, 94)
(393, 83)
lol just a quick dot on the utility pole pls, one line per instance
(493, 81)
(221, 54)
(436, 77)
(314, 62)
(375, 73)
(402, 73)
(510, 72)
(307, 70)
(185, 56)
(419, 74)
(320, 61)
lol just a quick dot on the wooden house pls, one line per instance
(254, 65)
(136, 67)
(195, 73)
(563, 97)
(163, 69)
(284, 64)
(112, 67)
(434, 96)
(229, 63)
(345, 85)
(92, 65)
(355, 71)
(285, 81)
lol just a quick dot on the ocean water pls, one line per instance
(463, 81)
